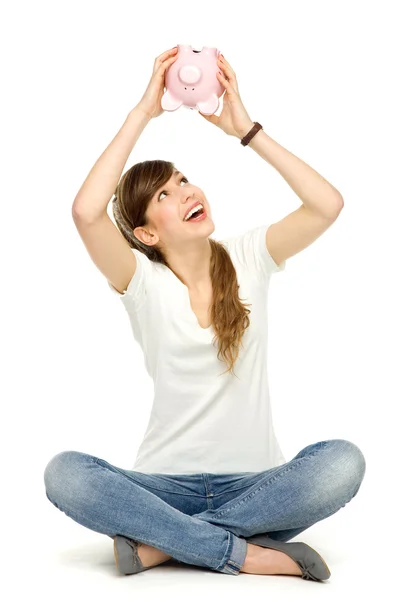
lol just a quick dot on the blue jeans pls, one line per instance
(203, 519)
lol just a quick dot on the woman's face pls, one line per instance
(166, 213)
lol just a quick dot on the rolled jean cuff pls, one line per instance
(234, 556)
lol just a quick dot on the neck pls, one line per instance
(192, 268)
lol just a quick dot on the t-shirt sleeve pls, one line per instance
(135, 294)
(251, 251)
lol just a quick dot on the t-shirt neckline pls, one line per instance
(187, 301)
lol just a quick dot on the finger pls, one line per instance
(166, 54)
(167, 63)
(227, 81)
(228, 87)
(222, 63)
(222, 79)
(223, 59)
(162, 66)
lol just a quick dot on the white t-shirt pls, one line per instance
(201, 422)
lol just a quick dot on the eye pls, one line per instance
(164, 192)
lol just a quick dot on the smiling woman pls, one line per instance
(197, 488)
(151, 223)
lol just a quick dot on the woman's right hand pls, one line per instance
(151, 100)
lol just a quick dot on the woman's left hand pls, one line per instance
(234, 119)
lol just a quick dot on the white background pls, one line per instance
(321, 78)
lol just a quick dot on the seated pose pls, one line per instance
(210, 486)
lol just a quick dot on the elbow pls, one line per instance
(337, 206)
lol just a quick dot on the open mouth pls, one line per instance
(199, 215)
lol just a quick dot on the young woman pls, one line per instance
(210, 486)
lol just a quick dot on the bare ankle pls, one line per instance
(265, 561)
(151, 556)
(252, 554)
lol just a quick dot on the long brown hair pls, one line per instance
(229, 317)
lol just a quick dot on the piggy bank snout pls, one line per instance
(189, 74)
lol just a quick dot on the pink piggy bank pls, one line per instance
(191, 81)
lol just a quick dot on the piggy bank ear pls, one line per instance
(210, 106)
(170, 102)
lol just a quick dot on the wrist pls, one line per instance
(244, 130)
(138, 110)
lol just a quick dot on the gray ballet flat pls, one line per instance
(126, 556)
(311, 563)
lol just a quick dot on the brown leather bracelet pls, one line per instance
(251, 133)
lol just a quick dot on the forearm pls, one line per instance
(100, 184)
(314, 191)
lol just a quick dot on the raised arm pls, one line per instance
(96, 191)
(104, 243)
